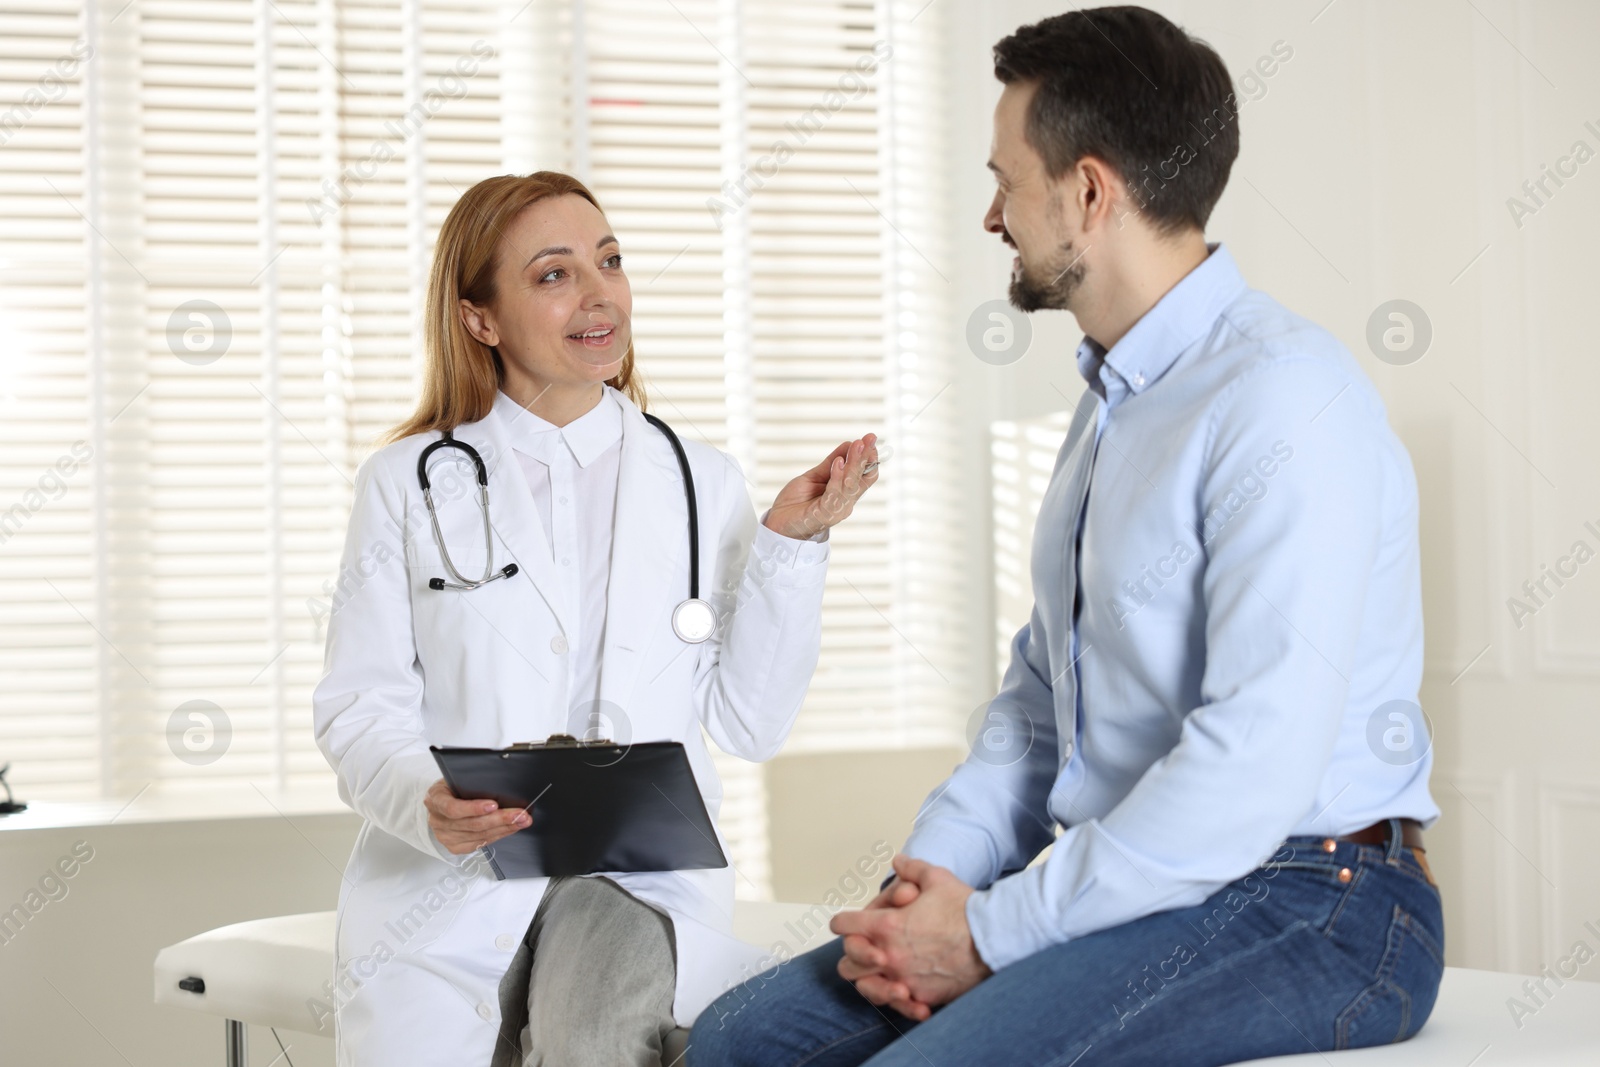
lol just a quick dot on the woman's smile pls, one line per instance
(600, 336)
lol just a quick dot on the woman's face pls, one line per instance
(562, 311)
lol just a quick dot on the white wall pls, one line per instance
(1377, 165)
(75, 983)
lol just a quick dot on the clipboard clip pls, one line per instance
(561, 741)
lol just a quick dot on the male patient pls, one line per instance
(1214, 698)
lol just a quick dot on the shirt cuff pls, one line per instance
(1004, 919)
(770, 544)
(970, 859)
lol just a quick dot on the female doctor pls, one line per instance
(583, 538)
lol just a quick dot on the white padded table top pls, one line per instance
(1471, 1024)
(264, 971)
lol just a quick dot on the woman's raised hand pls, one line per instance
(464, 826)
(827, 493)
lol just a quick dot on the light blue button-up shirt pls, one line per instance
(1249, 608)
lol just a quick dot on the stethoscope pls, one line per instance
(693, 620)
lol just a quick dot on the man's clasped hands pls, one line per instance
(911, 947)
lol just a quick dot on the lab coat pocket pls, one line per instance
(433, 611)
(423, 564)
(423, 555)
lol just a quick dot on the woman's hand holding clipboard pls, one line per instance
(603, 807)
(464, 826)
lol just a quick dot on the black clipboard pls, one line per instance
(596, 806)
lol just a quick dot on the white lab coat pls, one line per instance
(423, 941)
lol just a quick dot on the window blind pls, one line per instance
(50, 707)
(1022, 456)
(216, 218)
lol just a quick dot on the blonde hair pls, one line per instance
(462, 373)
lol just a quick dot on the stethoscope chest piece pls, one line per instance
(694, 620)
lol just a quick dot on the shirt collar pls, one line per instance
(586, 436)
(1180, 318)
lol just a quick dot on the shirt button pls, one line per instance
(565, 561)
(1138, 379)
(505, 942)
(558, 645)
(1069, 750)
(563, 500)
(484, 1012)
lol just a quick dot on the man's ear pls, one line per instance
(1099, 194)
(479, 323)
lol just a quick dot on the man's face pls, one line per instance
(1027, 211)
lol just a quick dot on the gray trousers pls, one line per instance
(592, 983)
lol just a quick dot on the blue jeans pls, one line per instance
(1313, 951)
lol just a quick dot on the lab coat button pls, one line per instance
(484, 1012)
(505, 942)
(558, 645)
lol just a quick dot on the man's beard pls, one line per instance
(1029, 293)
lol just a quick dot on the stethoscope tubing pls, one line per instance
(448, 440)
(694, 620)
(689, 498)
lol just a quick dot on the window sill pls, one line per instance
(157, 804)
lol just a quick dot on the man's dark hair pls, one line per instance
(1128, 87)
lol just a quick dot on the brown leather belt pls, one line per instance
(1378, 834)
